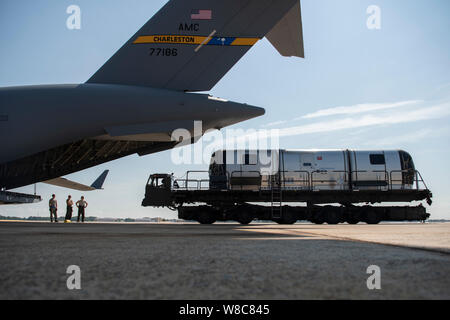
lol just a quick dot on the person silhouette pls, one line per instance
(82, 205)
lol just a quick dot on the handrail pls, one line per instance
(313, 181)
(415, 179)
(308, 180)
(387, 179)
(241, 171)
(195, 171)
(421, 180)
(185, 184)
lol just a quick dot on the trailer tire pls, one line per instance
(318, 218)
(287, 217)
(245, 218)
(286, 222)
(332, 215)
(352, 220)
(372, 217)
(205, 217)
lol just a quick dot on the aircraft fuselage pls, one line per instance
(39, 118)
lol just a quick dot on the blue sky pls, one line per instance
(357, 88)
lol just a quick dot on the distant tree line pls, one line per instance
(73, 219)
(39, 218)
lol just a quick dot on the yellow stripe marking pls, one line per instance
(206, 40)
(170, 39)
(245, 41)
(194, 40)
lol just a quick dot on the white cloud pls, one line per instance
(276, 123)
(362, 122)
(358, 108)
(401, 139)
(369, 120)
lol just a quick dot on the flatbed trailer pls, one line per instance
(194, 200)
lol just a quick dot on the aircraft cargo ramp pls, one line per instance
(7, 197)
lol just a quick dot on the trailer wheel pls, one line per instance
(287, 220)
(288, 216)
(244, 222)
(205, 217)
(245, 218)
(372, 217)
(352, 220)
(282, 221)
(354, 215)
(318, 219)
(332, 215)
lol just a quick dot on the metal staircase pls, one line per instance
(277, 181)
(277, 197)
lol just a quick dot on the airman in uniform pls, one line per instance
(69, 211)
(53, 206)
(82, 205)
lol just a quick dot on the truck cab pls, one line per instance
(158, 190)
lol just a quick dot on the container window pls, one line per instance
(377, 159)
(250, 159)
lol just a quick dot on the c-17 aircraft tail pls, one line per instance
(133, 104)
(191, 45)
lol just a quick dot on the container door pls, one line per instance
(369, 171)
(295, 177)
(330, 171)
(307, 166)
(394, 169)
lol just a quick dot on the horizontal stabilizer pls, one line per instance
(65, 183)
(287, 35)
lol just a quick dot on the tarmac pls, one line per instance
(224, 261)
